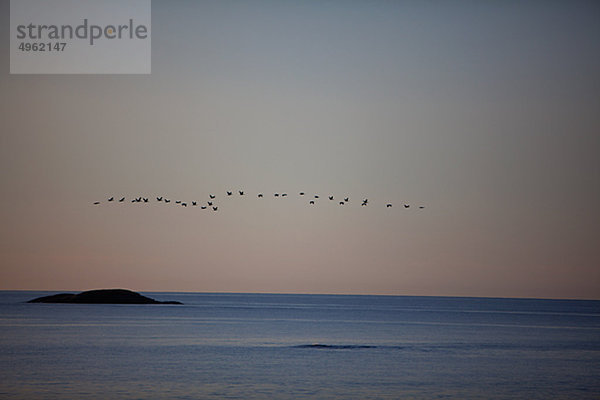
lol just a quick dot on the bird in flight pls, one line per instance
(210, 204)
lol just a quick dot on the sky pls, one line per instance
(486, 113)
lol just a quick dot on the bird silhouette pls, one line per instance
(364, 202)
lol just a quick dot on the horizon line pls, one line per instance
(312, 294)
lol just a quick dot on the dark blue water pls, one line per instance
(255, 346)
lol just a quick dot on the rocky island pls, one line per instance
(102, 296)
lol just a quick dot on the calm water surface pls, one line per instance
(268, 346)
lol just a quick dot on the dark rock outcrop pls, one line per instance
(103, 296)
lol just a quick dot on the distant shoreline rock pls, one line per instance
(101, 296)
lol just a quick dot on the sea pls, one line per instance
(300, 346)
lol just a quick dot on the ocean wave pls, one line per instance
(335, 346)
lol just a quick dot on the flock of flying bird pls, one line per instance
(211, 202)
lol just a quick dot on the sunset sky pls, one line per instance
(487, 113)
